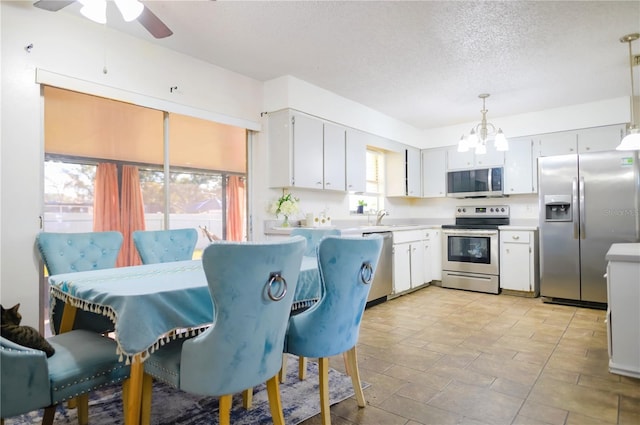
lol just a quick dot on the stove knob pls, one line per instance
(491, 210)
(459, 209)
(502, 209)
(464, 210)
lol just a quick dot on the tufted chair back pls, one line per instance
(243, 347)
(78, 252)
(332, 325)
(164, 246)
(83, 361)
(313, 237)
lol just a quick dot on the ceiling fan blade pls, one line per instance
(153, 24)
(52, 5)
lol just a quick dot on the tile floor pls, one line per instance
(444, 356)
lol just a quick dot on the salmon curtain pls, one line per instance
(112, 212)
(131, 213)
(106, 202)
(235, 208)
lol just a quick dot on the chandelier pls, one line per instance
(96, 10)
(477, 138)
(632, 140)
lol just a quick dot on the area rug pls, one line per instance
(300, 401)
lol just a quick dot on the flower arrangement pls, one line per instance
(286, 205)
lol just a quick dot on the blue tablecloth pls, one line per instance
(147, 303)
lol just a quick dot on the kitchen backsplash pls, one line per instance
(524, 208)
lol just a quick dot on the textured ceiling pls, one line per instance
(421, 62)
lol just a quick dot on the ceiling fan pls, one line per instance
(146, 17)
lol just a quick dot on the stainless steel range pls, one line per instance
(471, 248)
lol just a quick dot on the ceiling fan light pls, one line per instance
(630, 142)
(129, 9)
(95, 10)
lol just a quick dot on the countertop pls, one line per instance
(628, 252)
(351, 229)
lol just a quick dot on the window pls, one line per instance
(373, 198)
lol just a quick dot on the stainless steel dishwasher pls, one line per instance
(383, 280)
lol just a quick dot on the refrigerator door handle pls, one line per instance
(574, 203)
(583, 233)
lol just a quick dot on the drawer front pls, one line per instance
(406, 236)
(513, 236)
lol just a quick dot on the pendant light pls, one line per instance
(632, 140)
(479, 134)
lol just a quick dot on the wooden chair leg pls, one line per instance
(275, 403)
(346, 363)
(352, 360)
(283, 369)
(247, 398)
(125, 396)
(302, 368)
(47, 417)
(145, 403)
(323, 364)
(83, 409)
(225, 409)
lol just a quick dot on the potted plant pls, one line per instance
(361, 205)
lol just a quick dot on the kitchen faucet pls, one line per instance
(379, 216)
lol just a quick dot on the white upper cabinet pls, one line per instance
(561, 143)
(434, 173)
(595, 139)
(403, 173)
(598, 139)
(465, 160)
(520, 172)
(308, 164)
(356, 160)
(414, 173)
(334, 157)
(305, 152)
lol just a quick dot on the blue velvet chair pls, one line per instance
(313, 237)
(77, 252)
(332, 325)
(252, 287)
(83, 361)
(164, 246)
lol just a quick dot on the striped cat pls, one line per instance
(23, 335)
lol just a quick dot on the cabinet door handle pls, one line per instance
(516, 237)
(327, 184)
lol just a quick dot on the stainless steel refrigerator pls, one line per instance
(587, 202)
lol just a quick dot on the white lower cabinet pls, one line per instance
(408, 257)
(519, 262)
(432, 263)
(623, 309)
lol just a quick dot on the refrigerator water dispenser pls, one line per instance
(557, 208)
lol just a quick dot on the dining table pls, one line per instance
(152, 304)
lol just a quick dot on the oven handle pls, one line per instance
(469, 232)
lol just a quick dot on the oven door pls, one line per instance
(472, 251)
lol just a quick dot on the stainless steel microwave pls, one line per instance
(477, 183)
